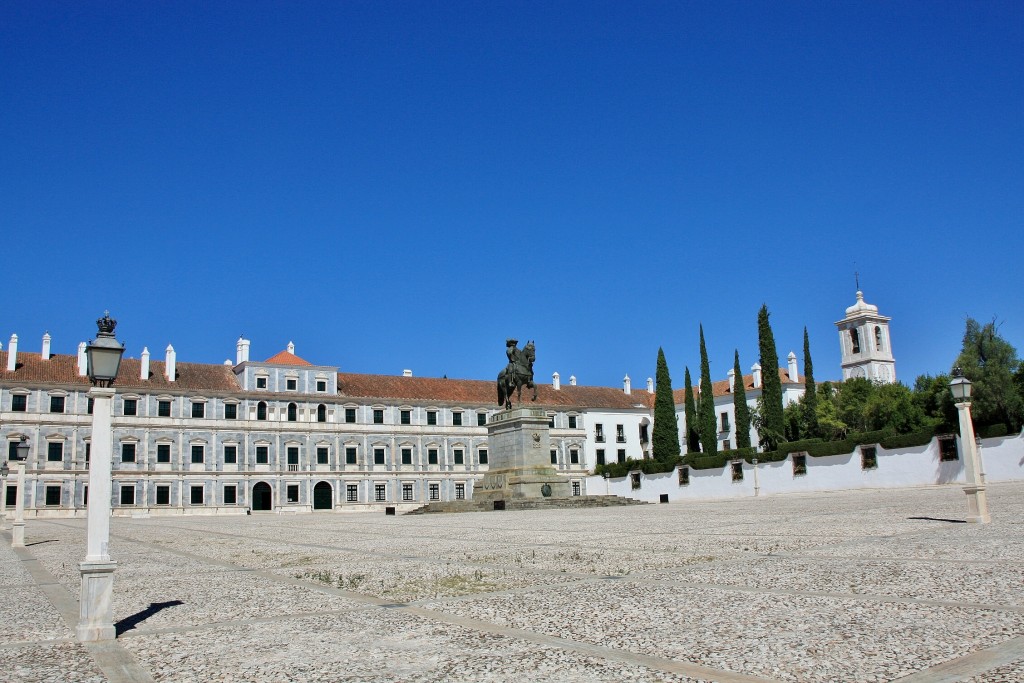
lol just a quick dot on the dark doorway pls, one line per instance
(322, 496)
(262, 497)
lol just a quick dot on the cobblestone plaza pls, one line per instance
(849, 586)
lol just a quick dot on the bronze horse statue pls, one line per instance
(516, 375)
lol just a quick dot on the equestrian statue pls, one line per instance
(517, 374)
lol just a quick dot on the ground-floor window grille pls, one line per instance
(406, 492)
(947, 449)
(799, 465)
(293, 493)
(53, 495)
(634, 478)
(380, 492)
(737, 471)
(576, 487)
(352, 493)
(435, 492)
(684, 476)
(230, 495)
(460, 492)
(868, 457)
(128, 494)
(196, 495)
(163, 495)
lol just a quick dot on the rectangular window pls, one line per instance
(55, 451)
(292, 453)
(131, 406)
(634, 480)
(350, 415)
(163, 408)
(574, 456)
(322, 455)
(406, 456)
(378, 416)
(198, 453)
(431, 456)
(457, 419)
(576, 488)
(19, 403)
(128, 494)
(262, 455)
(12, 496)
(684, 476)
(406, 417)
(350, 455)
(947, 449)
(551, 421)
(293, 493)
(457, 457)
(378, 456)
(291, 384)
(600, 456)
(89, 405)
(230, 495)
(622, 455)
(868, 457)
(725, 422)
(434, 489)
(56, 404)
(554, 456)
(620, 434)
(799, 465)
(352, 493)
(88, 450)
(230, 411)
(230, 455)
(127, 452)
(460, 492)
(261, 382)
(198, 409)
(380, 492)
(726, 445)
(195, 496)
(481, 419)
(572, 422)
(406, 492)
(599, 433)
(163, 495)
(737, 471)
(482, 456)
(163, 452)
(52, 496)
(321, 385)
(431, 417)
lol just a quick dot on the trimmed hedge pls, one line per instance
(918, 438)
(993, 430)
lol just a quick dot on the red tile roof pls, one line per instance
(286, 358)
(724, 387)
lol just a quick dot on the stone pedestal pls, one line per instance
(95, 616)
(519, 450)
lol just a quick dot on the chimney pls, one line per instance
(82, 363)
(242, 351)
(406, 373)
(291, 348)
(144, 364)
(625, 386)
(227, 362)
(572, 380)
(650, 385)
(794, 376)
(732, 379)
(169, 364)
(556, 381)
(756, 370)
(46, 347)
(12, 353)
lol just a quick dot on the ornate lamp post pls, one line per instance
(103, 358)
(977, 503)
(18, 527)
(5, 469)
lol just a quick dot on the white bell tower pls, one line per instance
(864, 340)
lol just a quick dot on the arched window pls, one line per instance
(855, 341)
(261, 410)
(321, 413)
(878, 338)
(293, 412)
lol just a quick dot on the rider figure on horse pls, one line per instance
(518, 373)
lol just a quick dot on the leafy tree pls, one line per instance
(991, 363)
(690, 415)
(771, 415)
(740, 407)
(851, 402)
(892, 406)
(830, 426)
(706, 415)
(768, 435)
(810, 397)
(932, 396)
(665, 437)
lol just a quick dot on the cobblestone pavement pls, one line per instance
(851, 586)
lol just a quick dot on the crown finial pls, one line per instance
(106, 324)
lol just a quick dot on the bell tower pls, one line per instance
(864, 341)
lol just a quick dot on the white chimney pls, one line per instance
(241, 351)
(291, 348)
(46, 347)
(82, 362)
(144, 363)
(227, 362)
(650, 385)
(732, 378)
(794, 376)
(625, 386)
(406, 373)
(572, 380)
(12, 353)
(169, 364)
(556, 381)
(756, 370)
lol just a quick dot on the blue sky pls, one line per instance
(400, 185)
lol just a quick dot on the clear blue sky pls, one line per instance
(403, 185)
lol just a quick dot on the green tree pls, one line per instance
(830, 426)
(932, 396)
(706, 414)
(810, 397)
(851, 402)
(665, 437)
(991, 363)
(892, 407)
(740, 407)
(690, 415)
(770, 406)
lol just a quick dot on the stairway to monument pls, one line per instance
(526, 504)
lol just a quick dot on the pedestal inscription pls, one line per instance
(519, 447)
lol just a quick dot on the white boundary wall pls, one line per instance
(1002, 460)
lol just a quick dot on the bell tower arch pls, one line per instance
(865, 343)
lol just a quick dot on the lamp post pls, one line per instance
(5, 469)
(18, 527)
(757, 484)
(977, 502)
(103, 358)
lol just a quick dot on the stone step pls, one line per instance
(525, 504)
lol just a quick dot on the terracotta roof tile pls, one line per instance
(723, 387)
(286, 358)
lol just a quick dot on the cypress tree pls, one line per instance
(665, 437)
(690, 415)
(740, 407)
(771, 386)
(810, 391)
(708, 428)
